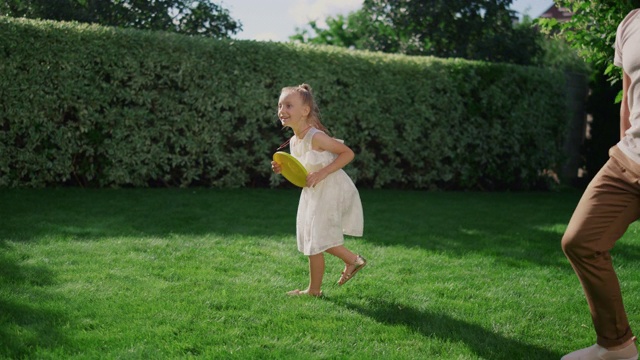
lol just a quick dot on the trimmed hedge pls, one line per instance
(97, 106)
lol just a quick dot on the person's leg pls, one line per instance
(608, 206)
(316, 273)
(343, 253)
(352, 262)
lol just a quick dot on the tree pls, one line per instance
(471, 29)
(592, 30)
(181, 16)
(592, 33)
(342, 31)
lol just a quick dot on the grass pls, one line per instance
(164, 274)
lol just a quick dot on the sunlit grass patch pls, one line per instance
(140, 274)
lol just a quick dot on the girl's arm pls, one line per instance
(624, 105)
(323, 142)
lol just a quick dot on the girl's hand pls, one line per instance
(322, 142)
(315, 177)
(276, 167)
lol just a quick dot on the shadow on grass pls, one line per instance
(25, 322)
(93, 214)
(484, 343)
(514, 228)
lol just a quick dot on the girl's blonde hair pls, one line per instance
(305, 92)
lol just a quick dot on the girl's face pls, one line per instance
(291, 110)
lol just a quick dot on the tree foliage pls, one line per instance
(470, 29)
(181, 16)
(592, 29)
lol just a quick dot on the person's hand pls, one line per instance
(315, 177)
(276, 167)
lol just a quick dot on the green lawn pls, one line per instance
(198, 273)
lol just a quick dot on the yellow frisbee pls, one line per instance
(292, 169)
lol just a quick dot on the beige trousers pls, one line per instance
(609, 204)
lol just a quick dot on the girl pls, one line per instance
(329, 204)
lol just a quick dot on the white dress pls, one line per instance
(329, 210)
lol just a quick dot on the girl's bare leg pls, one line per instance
(343, 253)
(352, 262)
(316, 272)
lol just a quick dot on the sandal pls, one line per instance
(298, 292)
(359, 264)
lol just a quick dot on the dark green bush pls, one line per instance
(97, 106)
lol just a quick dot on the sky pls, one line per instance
(276, 20)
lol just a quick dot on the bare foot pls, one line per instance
(297, 292)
